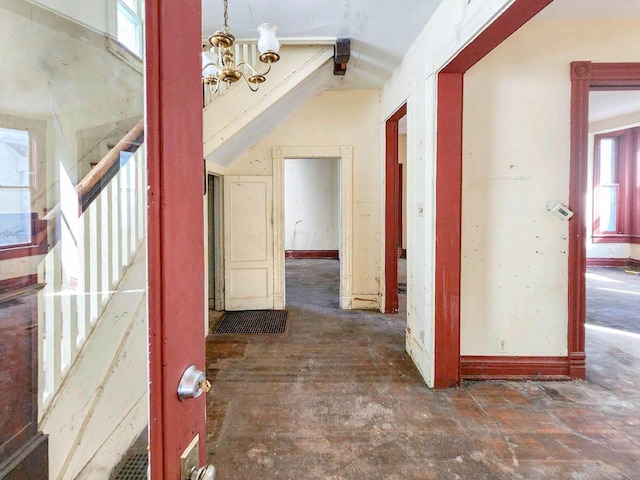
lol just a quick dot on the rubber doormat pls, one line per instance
(253, 322)
(132, 467)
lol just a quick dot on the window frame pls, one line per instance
(627, 182)
(139, 16)
(37, 166)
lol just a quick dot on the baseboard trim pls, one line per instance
(514, 368)
(609, 262)
(312, 254)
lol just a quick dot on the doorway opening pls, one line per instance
(215, 252)
(395, 226)
(612, 221)
(343, 156)
(312, 231)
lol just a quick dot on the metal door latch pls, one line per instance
(189, 463)
(193, 383)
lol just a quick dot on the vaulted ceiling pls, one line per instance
(381, 31)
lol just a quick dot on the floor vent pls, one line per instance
(253, 322)
(132, 467)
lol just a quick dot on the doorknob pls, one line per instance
(203, 473)
(192, 384)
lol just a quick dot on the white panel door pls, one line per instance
(248, 243)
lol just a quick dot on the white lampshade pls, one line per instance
(211, 70)
(268, 41)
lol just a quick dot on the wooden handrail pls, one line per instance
(130, 142)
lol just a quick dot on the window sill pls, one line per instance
(123, 53)
(7, 253)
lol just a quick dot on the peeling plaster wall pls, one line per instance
(516, 166)
(336, 118)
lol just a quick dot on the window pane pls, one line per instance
(14, 158)
(129, 30)
(607, 161)
(132, 4)
(15, 216)
(608, 208)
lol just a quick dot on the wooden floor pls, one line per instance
(338, 398)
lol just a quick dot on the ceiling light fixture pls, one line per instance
(218, 63)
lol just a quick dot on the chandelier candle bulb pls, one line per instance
(268, 44)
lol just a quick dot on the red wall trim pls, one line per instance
(514, 368)
(448, 185)
(519, 13)
(608, 262)
(448, 230)
(585, 76)
(312, 254)
(392, 196)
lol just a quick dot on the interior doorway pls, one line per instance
(215, 256)
(312, 229)
(395, 226)
(612, 222)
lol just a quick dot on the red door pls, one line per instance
(175, 237)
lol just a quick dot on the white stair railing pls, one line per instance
(82, 269)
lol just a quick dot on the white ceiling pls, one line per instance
(603, 105)
(381, 31)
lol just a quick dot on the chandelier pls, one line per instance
(218, 63)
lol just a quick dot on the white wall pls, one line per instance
(336, 118)
(312, 204)
(98, 15)
(516, 166)
(605, 250)
(635, 252)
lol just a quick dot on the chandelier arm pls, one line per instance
(253, 70)
(249, 84)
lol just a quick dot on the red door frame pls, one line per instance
(175, 228)
(393, 196)
(585, 76)
(449, 185)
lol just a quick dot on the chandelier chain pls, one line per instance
(226, 13)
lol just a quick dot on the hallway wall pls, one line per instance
(337, 118)
(516, 167)
(312, 204)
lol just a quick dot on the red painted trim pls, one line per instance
(312, 254)
(399, 208)
(448, 185)
(612, 238)
(519, 13)
(448, 229)
(514, 368)
(392, 197)
(585, 76)
(175, 238)
(608, 262)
